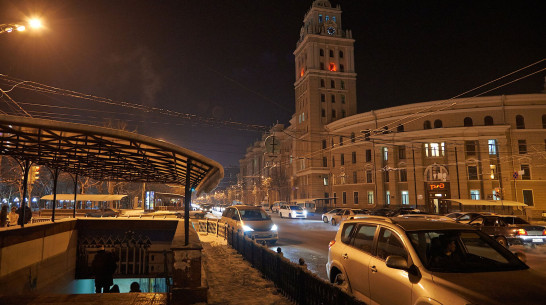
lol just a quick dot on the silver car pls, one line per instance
(416, 261)
(252, 221)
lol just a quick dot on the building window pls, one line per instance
(522, 146)
(340, 52)
(526, 172)
(366, 134)
(402, 152)
(325, 182)
(475, 194)
(355, 196)
(324, 162)
(333, 113)
(323, 144)
(322, 83)
(333, 161)
(369, 177)
(333, 98)
(322, 97)
(472, 172)
(387, 197)
(320, 21)
(323, 112)
(321, 52)
(385, 153)
(368, 155)
(341, 68)
(332, 83)
(352, 137)
(332, 67)
(342, 161)
(470, 147)
(335, 198)
(343, 114)
(528, 197)
(355, 177)
(403, 175)
(434, 149)
(492, 147)
(438, 124)
(405, 197)
(344, 197)
(426, 125)
(493, 169)
(343, 99)
(544, 121)
(342, 85)
(386, 177)
(327, 18)
(370, 197)
(332, 142)
(331, 53)
(400, 128)
(353, 157)
(322, 66)
(341, 141)
(520, 122)
(468, 122)
(488, 121)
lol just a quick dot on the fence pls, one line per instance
(295, 281)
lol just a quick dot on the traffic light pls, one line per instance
(34, 174)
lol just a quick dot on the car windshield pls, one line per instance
(256, 214)
(461, 251)
(296, 207)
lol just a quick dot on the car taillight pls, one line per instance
(331, 244)
(544, 232)
(521, 232)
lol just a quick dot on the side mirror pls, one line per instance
(396, 262)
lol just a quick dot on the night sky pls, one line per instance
(232, 60)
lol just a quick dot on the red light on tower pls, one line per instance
(332, 67)
(302, 71)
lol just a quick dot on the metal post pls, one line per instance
(26, 169)
(457, 170)
(187, 202)
(75, 194)
(55, 176)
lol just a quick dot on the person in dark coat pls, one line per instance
(103, 267)
(28, 215)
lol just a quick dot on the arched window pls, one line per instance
(321, 52)
(426, 125)
(331, 53)
(544, 121)
(340, 54)
(468, 122)
(520, 122)
(438, 124)
(488, 121)
(400, 128)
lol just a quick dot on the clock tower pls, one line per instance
(325, 91)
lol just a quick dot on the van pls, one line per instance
(252, 221)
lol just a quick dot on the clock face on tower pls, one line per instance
(331, 30)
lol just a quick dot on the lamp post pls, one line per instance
(20, 27)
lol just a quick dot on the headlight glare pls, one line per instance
(247, 228)
(274, 227)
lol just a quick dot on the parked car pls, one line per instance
(292, 211)
(406, 211)
(252, 221)
(108, 212)
(387, 212)
(326, 217)
(510, 230)
(277, 206)
(427, 216)
(465, 217)
(206, 208)
(345, 214)
(394, 261)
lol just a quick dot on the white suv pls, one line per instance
(292, 211)
(414, 261)
(252, 221)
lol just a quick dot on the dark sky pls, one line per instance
(233, 61)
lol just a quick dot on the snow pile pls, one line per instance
(232, 280)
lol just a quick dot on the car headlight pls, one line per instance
(247, 228)
(305, 212)
(274, 227)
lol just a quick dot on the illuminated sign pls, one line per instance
(437, 186)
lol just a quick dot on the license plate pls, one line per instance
(537, 240)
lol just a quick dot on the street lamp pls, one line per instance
(33, 23)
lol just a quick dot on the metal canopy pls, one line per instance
(84, 197)
(105, 153)
(489, 202)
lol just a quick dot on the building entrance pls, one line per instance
(435, 193)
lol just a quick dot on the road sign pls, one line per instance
(515, 175)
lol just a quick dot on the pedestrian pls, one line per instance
(103, 267)
(279, 251)
(13, 217)
(302, 263)
(135, 287)
(115, 289)
(28, 215)
(4, 216)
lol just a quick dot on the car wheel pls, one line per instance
(333, 221)
(341, 282)
(289, 215)
(325, 219)
(502, 240)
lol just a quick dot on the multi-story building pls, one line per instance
(417, 154)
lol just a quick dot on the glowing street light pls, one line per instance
(33, 23)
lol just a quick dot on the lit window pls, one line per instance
(493, 169)
(327, 18)
(370, 197)
(332, 67)
(303, 117)
(385, 153)
(475, 194)
(492, 147)
(405, 197)
(526, 172)
(320, 18)
(334, 18)
(325, 181)
(387, 197)
(434, 150)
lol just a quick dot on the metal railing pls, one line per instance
(295, 281)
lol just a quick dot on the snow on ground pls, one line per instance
(232, 280)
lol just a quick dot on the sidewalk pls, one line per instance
(232, 280)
